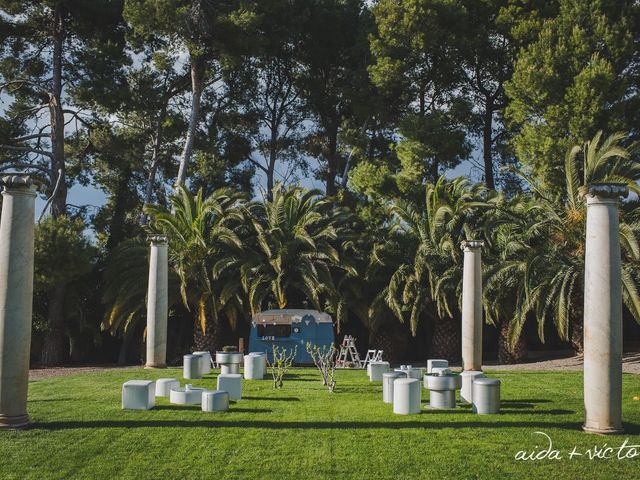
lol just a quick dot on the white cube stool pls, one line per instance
(406, 396)
(436, 363)
(186, 396)
(387, 385)
(191, 367)
(138, 395)
(376, 370)
(263, 361)
(205, 359)
(231, 383)
(442, 390)
(215, 401)
(486, 396)
(466, 393)
(252, 367)
(164, 386)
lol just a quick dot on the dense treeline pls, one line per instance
(201, 119)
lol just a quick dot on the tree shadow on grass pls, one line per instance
(525, 400)
(177, 407)
(65, 399)
(467, 411)
(232, 408)
(250, 410)
(274, 399)
(494, 423)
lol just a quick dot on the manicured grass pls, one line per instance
(303, 431)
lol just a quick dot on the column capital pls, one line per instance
(19, 183)
(470, 245)
(605, 192)
(157, 239)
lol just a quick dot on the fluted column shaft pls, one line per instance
(472, 305)
(157, 303)
(16, 297)
(603, 311)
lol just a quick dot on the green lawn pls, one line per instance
(303, 431)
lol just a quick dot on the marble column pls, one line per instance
(603, 311)
(16, 296)
(157, 303)
(472, 305)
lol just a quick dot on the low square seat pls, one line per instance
(376, 369)
(215, 401)
(164, 386)
(232, 384)
(138, 395)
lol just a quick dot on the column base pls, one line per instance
(151, 366)
(19, 422)
(603, 431)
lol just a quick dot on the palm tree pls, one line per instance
(512, 232)
(554, 272)
(291, 253)
(429, 285)
(202, 232)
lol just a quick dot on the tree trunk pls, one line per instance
(273, 157)
(54, 341)
(116, 225)
(208, 341)
(153, 169)
(445, 342)
(507, 355)
(58, 187)
(55, 346)
(487, 143)
(197, 81)
(576, 330)
(332, 159)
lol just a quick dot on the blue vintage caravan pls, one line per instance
(290, 327)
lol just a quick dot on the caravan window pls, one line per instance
(279, 330)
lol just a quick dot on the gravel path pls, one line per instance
(548, 361)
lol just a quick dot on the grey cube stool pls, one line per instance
(406, 396)
(436, 363)
(138, 395)
(442, 390)
(191, 367)
(231, 383)
(466, 393)
(164, 386)
(376, 369)
(387, 385)
(486, 396)
(215, 401)
(252, 367)
(263, 362)
(186, 396)
(205, 359)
